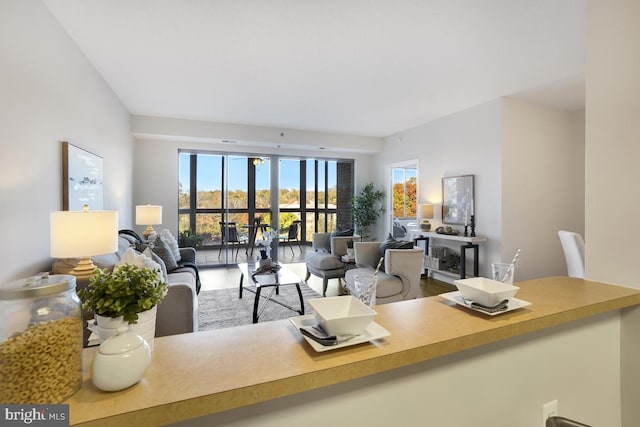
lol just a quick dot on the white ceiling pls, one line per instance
(364, 67)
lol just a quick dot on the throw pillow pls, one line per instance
(161, 249)
(171, 241)
(392, 243)
(149, 254)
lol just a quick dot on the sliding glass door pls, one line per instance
(220, 198)
(221, 190)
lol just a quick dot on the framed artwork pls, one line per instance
(457, 199)
(81, 179)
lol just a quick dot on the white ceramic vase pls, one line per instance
(146, 326)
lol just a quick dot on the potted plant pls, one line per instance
(186, 239)
(126, 296)
(367, 207)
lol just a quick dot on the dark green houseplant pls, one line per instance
(367, 208)
(186, 239)
(125, 292)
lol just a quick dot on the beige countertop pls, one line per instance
(202, 373)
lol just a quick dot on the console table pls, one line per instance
(467, 243)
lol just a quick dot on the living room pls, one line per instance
(52, 92)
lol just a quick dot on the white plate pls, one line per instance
(373, 332)
(513, 303)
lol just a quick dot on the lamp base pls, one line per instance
(84, 269)
(147, 232)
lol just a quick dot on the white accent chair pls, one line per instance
(573, 247)
(402, 270)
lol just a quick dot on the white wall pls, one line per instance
(464, 143)
(612, 153)
(542, 184)
(613, 142)
(50, 93)
(528, 163)
(176, 129)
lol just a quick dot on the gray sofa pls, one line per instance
(178, 311)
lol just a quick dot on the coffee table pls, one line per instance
(255, 284)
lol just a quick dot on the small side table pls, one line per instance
(284, 277)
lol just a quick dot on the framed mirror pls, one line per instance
(457, 199)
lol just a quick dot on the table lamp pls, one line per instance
(83, 234)
(148, 215)
(426, 213)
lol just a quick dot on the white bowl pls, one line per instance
(485, 291)
(344, 315)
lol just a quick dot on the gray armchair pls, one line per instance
(400, 279)
(324, 261)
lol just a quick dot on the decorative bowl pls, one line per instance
(343, 315)
(485, 291)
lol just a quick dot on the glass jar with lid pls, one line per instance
(40, 340)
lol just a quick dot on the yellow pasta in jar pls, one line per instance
(28, 374)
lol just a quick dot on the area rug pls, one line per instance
(223, 309)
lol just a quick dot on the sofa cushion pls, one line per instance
(171, 241)
(150, 254)
(392, 243)
(387, 285)
(323, 261)
(160, 248)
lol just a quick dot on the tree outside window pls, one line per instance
(404, 192)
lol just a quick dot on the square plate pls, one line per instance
(373, 332)
(513, 303)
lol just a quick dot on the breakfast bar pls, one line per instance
(229, 371)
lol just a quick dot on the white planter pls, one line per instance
(146, 326)
(351, 252)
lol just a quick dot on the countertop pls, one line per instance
(202, 373)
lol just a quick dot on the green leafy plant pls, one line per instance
(125, 292)
(186, 239)
(350, 243)
(367, 208)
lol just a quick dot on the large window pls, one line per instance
(215, 188)
(316, 206)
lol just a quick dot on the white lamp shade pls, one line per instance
(148, 215)
(76, 234)
(426, 211)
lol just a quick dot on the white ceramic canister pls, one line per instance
(121, 361)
